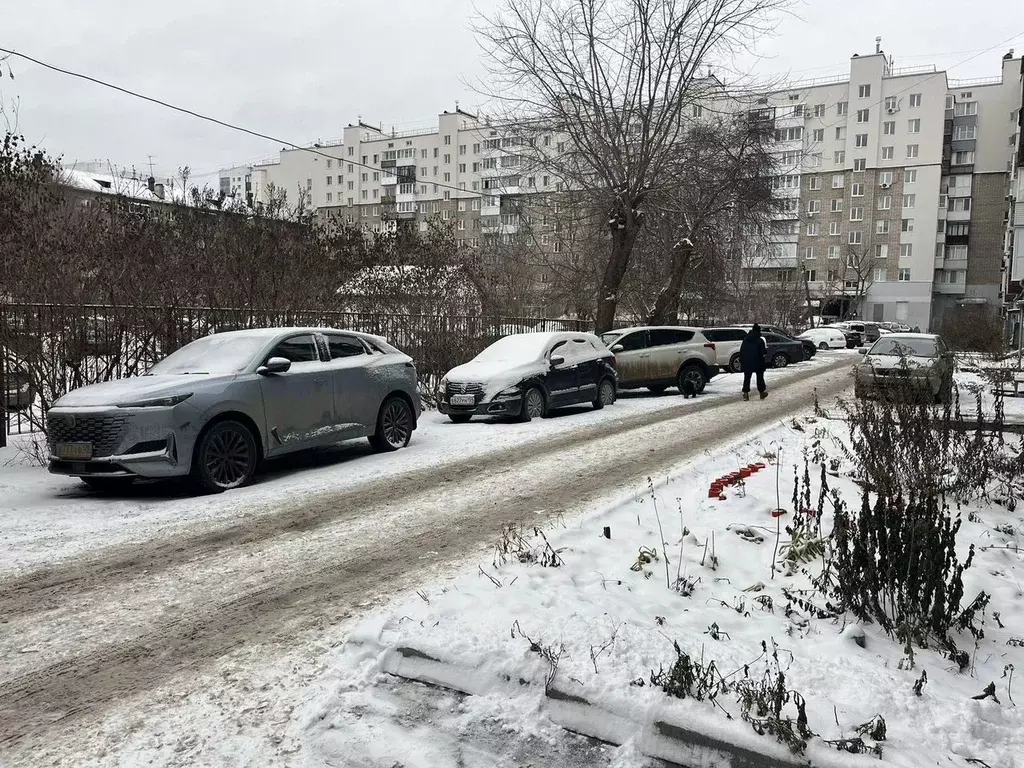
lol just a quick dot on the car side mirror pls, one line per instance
(557, 360)
(274, 365)
(617, 348)
(863, 351)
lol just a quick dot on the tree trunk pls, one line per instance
(666, 306)
(623, 241)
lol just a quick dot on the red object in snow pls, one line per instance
(778, 512)
(761, 465)
(745, 472)
(754, 468)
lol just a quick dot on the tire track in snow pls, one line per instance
(347, 580)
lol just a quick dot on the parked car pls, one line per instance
(782, 350)
(810, 349)
(868, 331)
(825, 338)
(727, 343)
(853, 338)
(659, 357)
(216, 407)
(906, 363)
(18, 391)
(527, 375)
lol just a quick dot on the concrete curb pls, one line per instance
(567, 706)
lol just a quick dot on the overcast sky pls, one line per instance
(303, 69)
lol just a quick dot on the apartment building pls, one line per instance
(1014, 246)
(895, 182)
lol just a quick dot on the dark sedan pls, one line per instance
(783, 351)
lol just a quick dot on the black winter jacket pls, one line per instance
(752, 353)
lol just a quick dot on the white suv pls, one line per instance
(659, 357)
(727, 343)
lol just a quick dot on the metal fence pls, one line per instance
(49, 349)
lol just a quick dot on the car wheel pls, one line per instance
(780, 360)
(533, 405)
(460, 418)
(823, 345)
(226, 457)
(694, 375)
(736, 364)
(108, 484)
(657, 389)
(394, 425)
(605, 394)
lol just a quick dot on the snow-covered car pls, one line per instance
(906, 364)
(659, 357)
(825, 338)
(216, 407)
(526, 375)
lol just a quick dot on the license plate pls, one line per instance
(72, 451)
(463, 400)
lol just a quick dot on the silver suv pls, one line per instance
(659, 357)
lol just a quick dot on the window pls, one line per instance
(882, 227)
(864, 92)
(818, 134)
(838, 180)
(912, 150)
(839, 157)
(462, 167)
(888, 152)
(915, 100)
(462, 149)
(882, 251)
(344, 346)
(698, 110)
(963, 158)
(789, 134)
(813, 229)
(904, 275)
(447, 177)
(910, 176)
(814, 182)
(914, 125)
(819, 110)
(958, 229)
(856, 213)
(833, 275)
(958, 252)
(856, 237)
(860, 140)
(816, 159)
(837, 204)
(790, 158)
(462, 224)
(857, 191)
(297, 349)
(351, 186)
(365, 194)
(863, 115)
(810, 252)
(810, 275)
(891, 103)
(860, 164)
(909, 201)
(889, 128)
(943, 199)
(366, 177)
(309, 183)
(814, 206)
(834, 228)
(842, 108)
(965, 108)
(351, 151)
(788, 181)
(906, 225)
(834, 251)
(329, 197)
(437, 152)
(840, 133)
(787, 205)
(881, 274)
(447, 139)
(447, 159)
(446, 214)
(960, 204)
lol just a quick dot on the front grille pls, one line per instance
(104, 432)
(458, 388)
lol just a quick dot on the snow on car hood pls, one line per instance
(495, 375)
(135, 389)
(889, 362)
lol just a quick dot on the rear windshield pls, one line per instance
(904, 347)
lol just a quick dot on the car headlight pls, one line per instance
(444, 383)
(159, 402)
(510, 392)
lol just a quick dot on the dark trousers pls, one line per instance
(761, 387)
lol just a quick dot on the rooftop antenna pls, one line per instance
(150, 164)
(878, 44)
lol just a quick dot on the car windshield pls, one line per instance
(212, 354)
(610, 338)
(520, 348)
(904, 347)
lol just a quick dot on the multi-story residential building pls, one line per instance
(237, 183)
(895, 185)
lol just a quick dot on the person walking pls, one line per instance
(753, 351)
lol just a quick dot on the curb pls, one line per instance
(671, 742)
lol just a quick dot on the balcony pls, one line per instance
(950, 288)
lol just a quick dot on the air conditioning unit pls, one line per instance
(885, 186)
(893, 110)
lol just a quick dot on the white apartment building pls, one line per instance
(900, 172)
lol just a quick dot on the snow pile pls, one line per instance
(591, 613)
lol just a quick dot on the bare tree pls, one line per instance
(611, 79)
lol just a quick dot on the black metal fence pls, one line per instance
(49, 349)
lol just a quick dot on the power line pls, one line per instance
(214, 120)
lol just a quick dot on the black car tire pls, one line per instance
(695, 373)
(823, 345)
(605, 394)
(736, 363)
(225, 458)
(780, 360)
(534, 405)
(108, 484)
(460, 418)
(394, 425)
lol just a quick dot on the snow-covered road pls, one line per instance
(110, 606)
